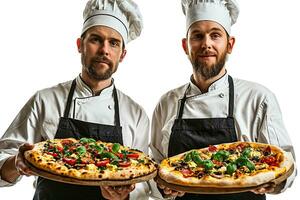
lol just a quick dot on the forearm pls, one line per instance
(9, 171)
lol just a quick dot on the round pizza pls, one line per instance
(87, 159)
(230, 165)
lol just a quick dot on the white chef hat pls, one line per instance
(122, 15)
(224, 12)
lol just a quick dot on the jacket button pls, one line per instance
(221, 95)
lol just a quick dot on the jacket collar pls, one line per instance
(220, 83)
(86, 91)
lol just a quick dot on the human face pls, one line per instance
(207, 46)
(101, 51)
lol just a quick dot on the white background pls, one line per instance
(38, 50)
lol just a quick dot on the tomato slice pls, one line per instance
(124, 163)
(70, 161)
(102, 163)
(133, 155)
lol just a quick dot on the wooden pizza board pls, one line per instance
(65, 179)
(221, 190)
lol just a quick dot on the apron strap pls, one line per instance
(182, 103)
(231, 97)
(70, 96)
(117, 115)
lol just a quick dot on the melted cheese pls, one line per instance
(91, 167)
(255, 154)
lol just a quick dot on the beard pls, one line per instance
(209, 71)
(100, 75)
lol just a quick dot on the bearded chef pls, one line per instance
(213, 107)
(88, 106)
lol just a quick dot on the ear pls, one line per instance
(184, 45)
(78, 42)
(123, 55)
(231, 42)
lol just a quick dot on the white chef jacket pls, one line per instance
(38, 120)
(256, 112)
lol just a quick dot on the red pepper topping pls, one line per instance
(59, 148)
(270, 160)
(120, 155)
(212, 148)
(66, 142)
(52, 154)
(187, 173)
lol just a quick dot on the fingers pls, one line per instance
(21, 167)
(161, 186)
(124, 188)
(170, 192)
(25, 147)
(267, 188)
(117, 192)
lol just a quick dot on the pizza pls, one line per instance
(88, 159)
(229, 165)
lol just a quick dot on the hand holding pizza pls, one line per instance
(267, 188)
(169, 192)
(118, 192)
(21, 167)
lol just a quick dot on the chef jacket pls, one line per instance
(256, 112)
(38, 120)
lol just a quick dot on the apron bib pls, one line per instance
(68, 127)
(198, 133)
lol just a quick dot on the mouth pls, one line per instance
(206, 57)
(102, 62)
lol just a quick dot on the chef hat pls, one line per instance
(224, 12)
(122, 15)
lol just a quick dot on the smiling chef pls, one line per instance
(213, 107)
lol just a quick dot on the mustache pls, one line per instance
(206, 53)
(103, 59)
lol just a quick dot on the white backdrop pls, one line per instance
(38, 50)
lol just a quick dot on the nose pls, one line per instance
(206, 44)
(104, 48)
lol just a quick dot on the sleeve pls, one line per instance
(156, 134)
(273, 131)
(24, 128)
(141, 142)
(155, 147)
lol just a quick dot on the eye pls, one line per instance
(197, 36)
(94, 40)
(115, 43)
(215, 36)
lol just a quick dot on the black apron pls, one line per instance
(198, 133)
(68, 127)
